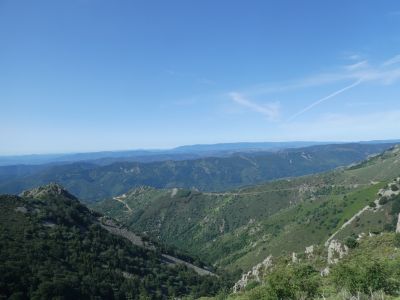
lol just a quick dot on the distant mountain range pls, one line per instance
(93, 182)
(178, 153)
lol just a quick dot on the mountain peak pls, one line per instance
(49, 190)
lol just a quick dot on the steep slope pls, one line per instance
(238, 229)
(369, 269)
(52, 246)
(92, 182)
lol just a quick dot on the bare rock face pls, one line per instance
(398, 225)
(21, 209)
(325, 272)
(294, 257)
(309, 251)
(336, 251)
(253, 275)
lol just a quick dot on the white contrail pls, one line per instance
(324, 99)
(270, 110)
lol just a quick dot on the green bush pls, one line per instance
(397, 240)
(293, 282)
(383, 200)
(351, 242)
(251, 285)
(362, 275)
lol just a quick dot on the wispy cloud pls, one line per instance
(361, 72)
(384, 73)
(353, 56)
(392, 61)
(269, 110)
(334, 94)
(387, 72)
(357, 66)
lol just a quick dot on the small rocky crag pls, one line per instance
(50, 190)
(255, 274)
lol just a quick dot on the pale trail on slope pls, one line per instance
(398, 225)
(386, 193)
(115, 229)
(120, 199)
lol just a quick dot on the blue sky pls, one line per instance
(87, 75)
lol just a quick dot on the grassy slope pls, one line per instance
(240, 228)
(382, 249)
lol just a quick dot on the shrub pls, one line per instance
(293, 282)
(397, 240)
(365, 276)
(389, 227)
(251, 285)
(351, 242)
(383, 200)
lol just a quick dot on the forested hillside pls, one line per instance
(91, 182)
(239, 228)
(53, 247)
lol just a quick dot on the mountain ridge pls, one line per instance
(92, 182)
(176, 153)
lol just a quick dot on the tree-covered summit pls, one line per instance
(52, 247)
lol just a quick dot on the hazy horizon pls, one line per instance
(155, 149)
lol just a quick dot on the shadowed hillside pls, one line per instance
(52, 246)
(239, 228)
(91, 182)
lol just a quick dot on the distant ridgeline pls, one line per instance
(93, 182)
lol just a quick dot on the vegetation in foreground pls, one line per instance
(371, 270)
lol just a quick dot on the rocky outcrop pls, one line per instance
(254, 274)
(398, 224)
(325, 272)
(309, 251)
(47, 191)
(21, 209)
(336, 251)
(294, 257)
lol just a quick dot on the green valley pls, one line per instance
(238, 229)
